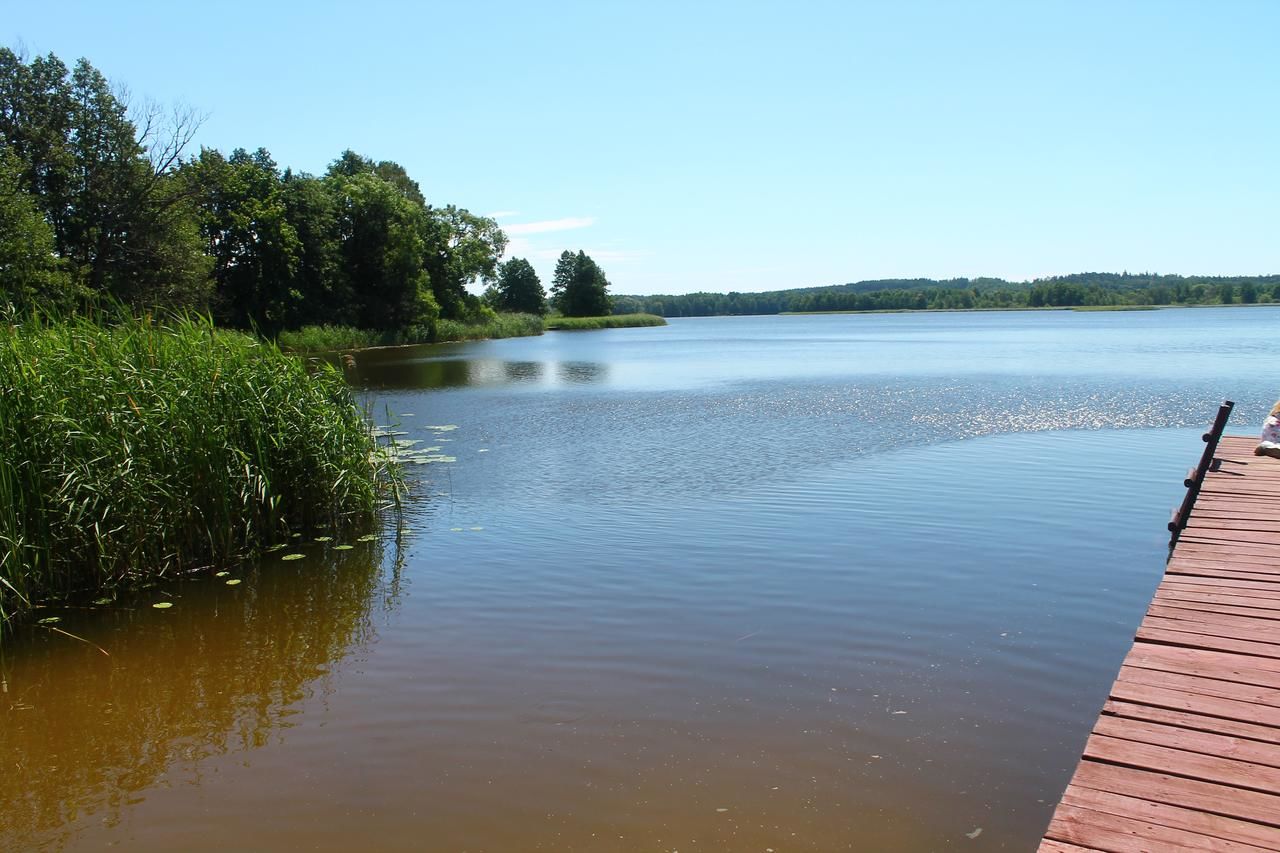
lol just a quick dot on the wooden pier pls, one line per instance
(1186, 752)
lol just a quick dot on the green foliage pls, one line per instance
(519, 289)
(244, 222)
(30, 274)
(500, 326)
(131, 221)
(1082, 289)
(333, 338)
(140, 448)
(611, 321)
(579, 287)
(106, 190)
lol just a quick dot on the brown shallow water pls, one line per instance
(830, 611)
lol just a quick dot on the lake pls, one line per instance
(759, 583)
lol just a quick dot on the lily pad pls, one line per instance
(443, 427)
(324, 538)
(102, 601)
(475, 528)
(48, 620)
(343, 547)
(368, 537)
(293, 556)
(222, 574)
(162, 605)
(233, 582)
(455, 529)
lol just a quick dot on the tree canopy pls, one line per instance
(579, 287)
(519, 289)
(101, 200)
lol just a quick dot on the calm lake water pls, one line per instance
(774, 583)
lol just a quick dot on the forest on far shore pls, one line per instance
(923, 294)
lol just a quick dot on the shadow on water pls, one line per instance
(220, 672)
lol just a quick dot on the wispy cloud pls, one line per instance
(567, 224)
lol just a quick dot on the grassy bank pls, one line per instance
(330, 338)
(613, 321)
(145, 448)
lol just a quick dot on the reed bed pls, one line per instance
(613, 321)
(140, 448)
(335, 338)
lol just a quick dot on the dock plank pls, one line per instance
(1185, 754)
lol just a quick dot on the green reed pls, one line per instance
(612, 321)
(333, 338)
(144, 447)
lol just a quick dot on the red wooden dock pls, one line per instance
(1186, 752)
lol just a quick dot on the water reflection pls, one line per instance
(428, 368)
(222, 671)
(582, 372)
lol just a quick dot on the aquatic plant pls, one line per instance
(611, 321)
(332, 338)
(142, 447)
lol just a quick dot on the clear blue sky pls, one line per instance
(751, 146)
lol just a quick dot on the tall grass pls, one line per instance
(501, 326)
(144, 447)
(331, 338)
(613, 321)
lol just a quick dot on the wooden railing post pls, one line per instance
(1195, 477)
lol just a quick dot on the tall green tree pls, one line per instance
(461, 249)
(30, 274)
(244, 221)
(379, 231)
(519, 289)
(120, 221)
(579, 287)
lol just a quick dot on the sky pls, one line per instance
(753, 146)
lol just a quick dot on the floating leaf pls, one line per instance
(162, 605)
(48, 620)
(222, 574)
(455, 529)
(295, 536)
(368, 537)
(233, 582)
(293, 556)
(273, 548)
(475, 528)
(102, 601)
(343, 547)
(324, 538)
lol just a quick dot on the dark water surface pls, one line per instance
(791, 583)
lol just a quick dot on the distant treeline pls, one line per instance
(1078, 290)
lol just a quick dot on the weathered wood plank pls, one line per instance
(1186, 752)
(1123, 835)
(1187, 720)
(1256, 806)
(1151, 632)
(1180, 762)
(1173, 817)
(1191, 740)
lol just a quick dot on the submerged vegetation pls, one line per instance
(612, 321)
(141, 447)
